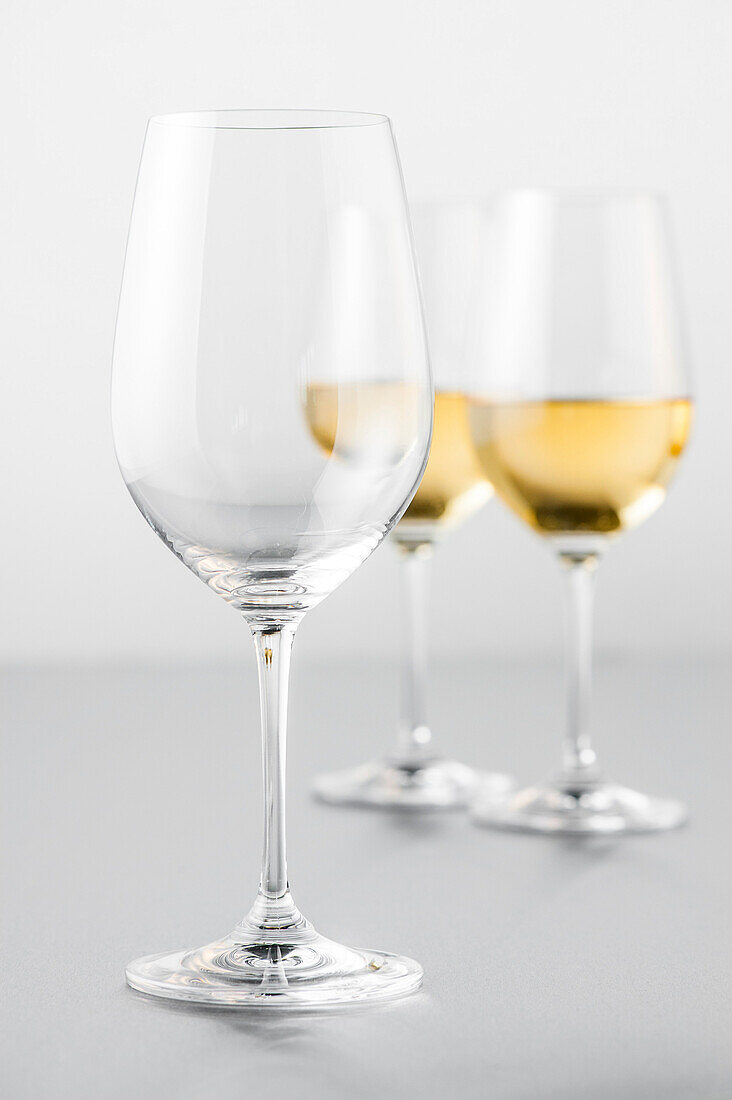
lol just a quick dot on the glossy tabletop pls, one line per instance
(553, 968)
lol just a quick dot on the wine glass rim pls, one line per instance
(270, 118)
(581, 193)
(558, 194)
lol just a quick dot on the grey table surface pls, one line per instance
(553, 968)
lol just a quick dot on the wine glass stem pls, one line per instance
(274, 907)
(414, 733)
(578, 755)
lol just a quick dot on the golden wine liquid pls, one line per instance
(374, 419)
(453, 485)
(567, 467)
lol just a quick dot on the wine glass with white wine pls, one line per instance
(581, 411)
(453, 488)
(269, 270)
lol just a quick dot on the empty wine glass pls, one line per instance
(269, 281)
(453, 488)
(581, 412)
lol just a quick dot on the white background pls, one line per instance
(483, 94)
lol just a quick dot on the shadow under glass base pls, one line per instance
(593, 807)
(305, 971)
(434, 784)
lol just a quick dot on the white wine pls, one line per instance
(453, 485)
(568, 467)
(353, 420)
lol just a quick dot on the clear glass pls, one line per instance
(580, 412)
(270, 286)
(413, 775)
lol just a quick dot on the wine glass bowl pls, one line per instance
(270, 286)
(220, 338)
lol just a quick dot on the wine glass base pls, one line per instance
(590, 808)
(310, 973)
(436, 784)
